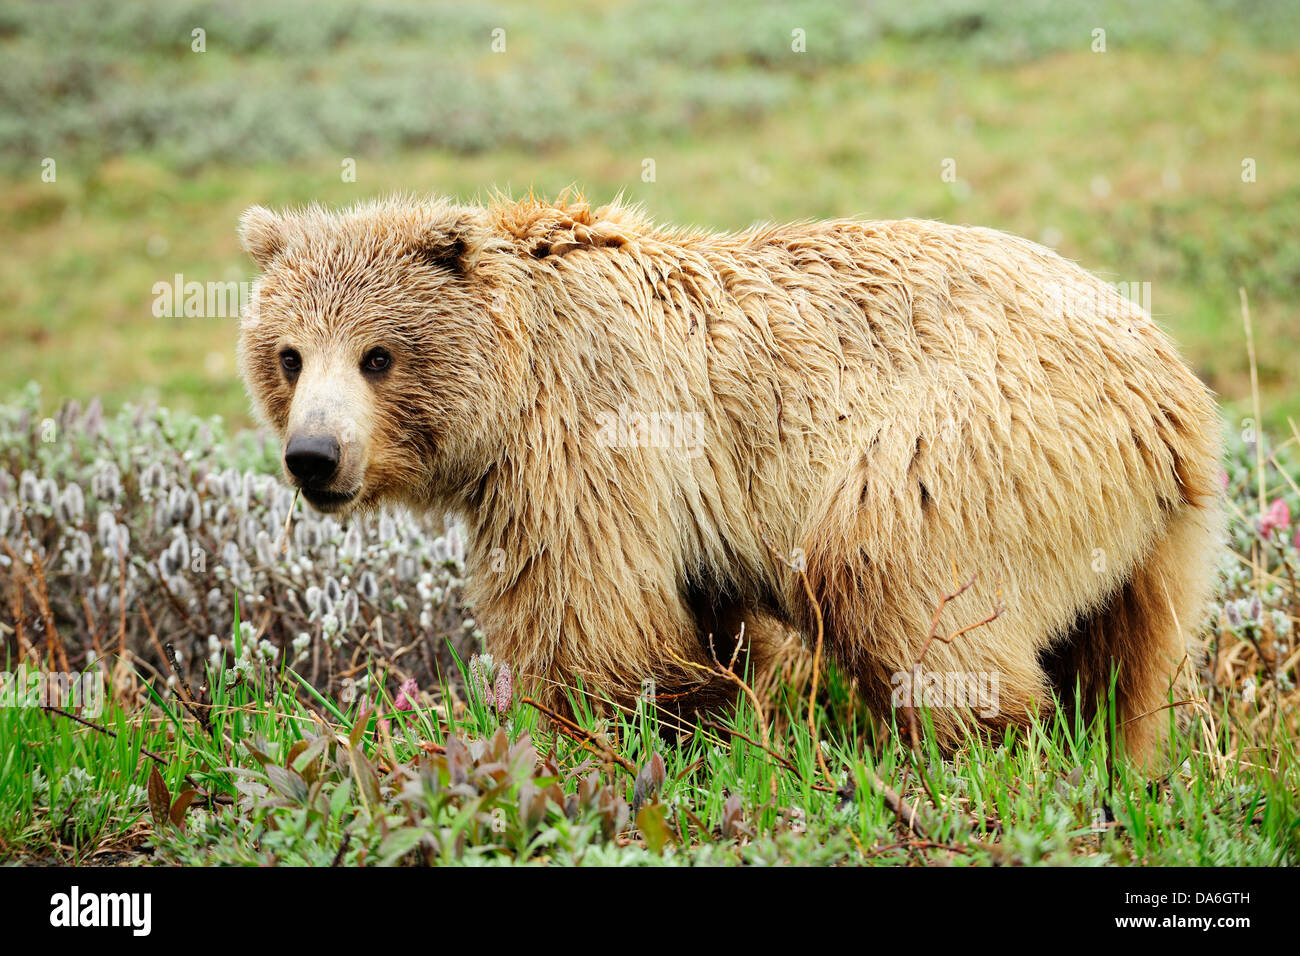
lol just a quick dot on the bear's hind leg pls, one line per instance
(1146, 630)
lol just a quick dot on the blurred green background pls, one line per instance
(1128, 160)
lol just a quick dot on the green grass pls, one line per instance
(283, 775)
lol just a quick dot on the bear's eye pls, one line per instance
(376, 361)
(291, 362)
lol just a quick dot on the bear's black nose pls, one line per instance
(312, 459)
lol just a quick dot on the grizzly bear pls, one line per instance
(661, 441)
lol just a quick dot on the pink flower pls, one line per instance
(504, 689)
(1223, 479)
(1277, 518)
(406, 695)
(481, 669)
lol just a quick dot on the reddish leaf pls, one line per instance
(733, 819)
(160, 798)
(359, 728)
(649, 781)
(458, 760)
(298, 747)
(183, 801)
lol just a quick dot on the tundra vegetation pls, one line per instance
(324, 698)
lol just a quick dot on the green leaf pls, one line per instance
(652, 821)
(339, 799)
(288, 783)
(363, 771)
(257, 750)
(311, 750)
(398, 843)
(320, 698)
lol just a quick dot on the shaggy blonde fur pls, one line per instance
(900, 404)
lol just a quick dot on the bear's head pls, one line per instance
(368, 345)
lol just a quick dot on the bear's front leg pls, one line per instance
(575, 622)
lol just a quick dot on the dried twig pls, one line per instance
(184, 692)
(909, 708)
(91, 626)
(917, 845)
(121, 601)
(570, 729)
(40, 594)
(288, 519)
(50, 708)
(343, 848)
(729, 674)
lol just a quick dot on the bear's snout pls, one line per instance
(312, 459)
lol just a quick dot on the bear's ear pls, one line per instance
(262, 234)
(453, 246)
